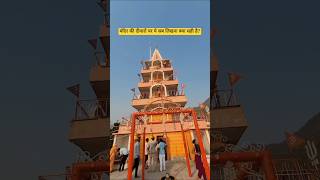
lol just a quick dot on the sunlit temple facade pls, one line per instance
(159, 90)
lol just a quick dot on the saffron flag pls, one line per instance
(234, 78)
(103, 5)
(93, 43)
(75, 90)
(294, 141)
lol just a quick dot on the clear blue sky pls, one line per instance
(189, 55)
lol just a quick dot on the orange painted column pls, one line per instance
(79, 169)
(264, 158)
(75, 175)
(267, 165)
(186, 151)
(143, 150)
(130, 162)
(236, 157)
(203, 152)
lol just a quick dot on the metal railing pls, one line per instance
(91, 109)
(167, 78)
(170, 94)
(296, 169)
(156, 67)
(285, 169)
(224, 98)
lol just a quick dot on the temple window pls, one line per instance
(158, 91)
(157, 64)
(157, 76)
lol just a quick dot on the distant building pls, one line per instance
(89, 128)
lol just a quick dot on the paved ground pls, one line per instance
(176, 168)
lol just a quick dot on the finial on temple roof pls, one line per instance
(156, 55)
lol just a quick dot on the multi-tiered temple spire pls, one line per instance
(158, 85)
(162, 103)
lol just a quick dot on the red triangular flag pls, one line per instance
(294, 141)
(93, 43)
(75, 90)
(103, 5)
(234, 78)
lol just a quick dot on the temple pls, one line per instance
(159, 91)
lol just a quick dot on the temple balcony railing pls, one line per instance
(150, 69)
(138, 102)
(90, 109)
(157, 126)
(89, 128)
(167, 82)
(156, 67)
(168, 78)
(170, 94)
(224, 98)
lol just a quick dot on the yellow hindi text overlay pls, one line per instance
(159, 31)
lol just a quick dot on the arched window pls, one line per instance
(166, 64)
(158, 76)
(157, 64)
(158, 90)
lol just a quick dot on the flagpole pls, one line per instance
(150, 52)
(134, 92)
(233, 79)
(231, 94)
(76, 111)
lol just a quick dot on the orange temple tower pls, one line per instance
(159, 91)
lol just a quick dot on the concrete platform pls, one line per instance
(176, 168)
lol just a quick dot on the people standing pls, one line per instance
(199, 164)
(146, 150)
(113, 153)
(152, 153)
(136, 157)
(162, 155)
(123, 158)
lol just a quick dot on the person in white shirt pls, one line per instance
(162, 155)
(123, 156)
